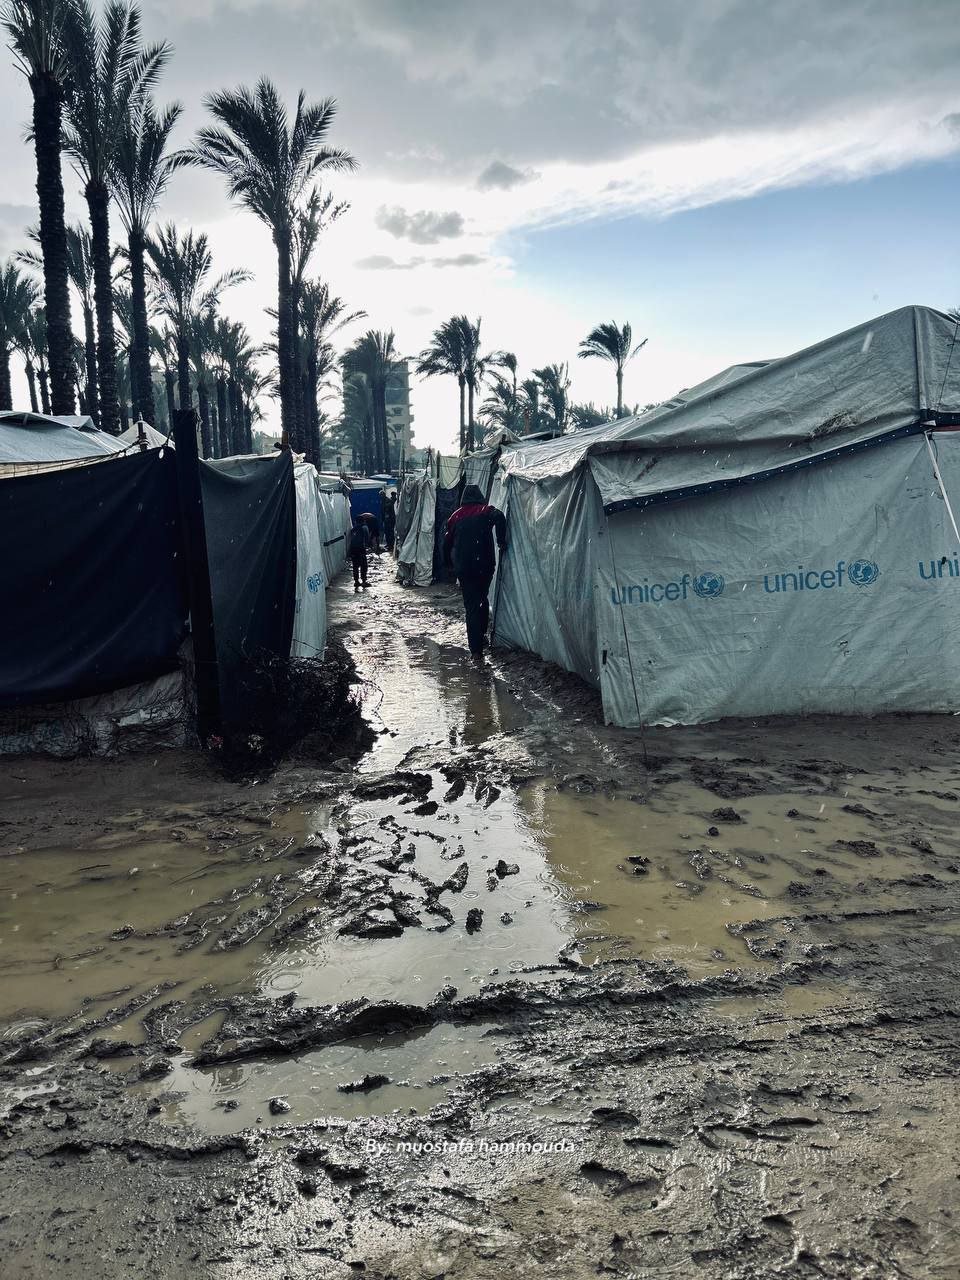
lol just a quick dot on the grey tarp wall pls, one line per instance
(642, 553)
(415, 551)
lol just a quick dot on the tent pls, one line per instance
(366, 495)
(32, 442)
(778, 540)
(155, 439)
(416, 516)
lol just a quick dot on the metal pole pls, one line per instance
(198, 573)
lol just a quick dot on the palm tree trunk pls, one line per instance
(368, 465)
(170, 382)
(300, 423)
(90, 356)
(222, 423)
(619, 392)
(285, 338)
(183, 372)
(98, 204)
(6, 390)
(141, 389)
(44, 390)
(463, 412)
(32, 384)
(203, 404)
(214, 429)
(236, 417)
(471, 444)
(124, 416)
(47, 109)
(248, 426)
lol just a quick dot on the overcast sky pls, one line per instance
(735, 179)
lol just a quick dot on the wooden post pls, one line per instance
(198, 573)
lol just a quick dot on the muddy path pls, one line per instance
(513, 990)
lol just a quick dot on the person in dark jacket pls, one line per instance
(357, 548)
(373, 527)
(468, 547)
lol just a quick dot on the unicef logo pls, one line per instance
(863, 573)
(710, 585)
(314, 582)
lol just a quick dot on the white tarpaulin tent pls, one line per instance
(416, 515)
(777, 540)
(333, 513)
(31, 442)
(155, 439)
(310, 618)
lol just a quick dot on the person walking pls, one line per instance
(468, 548)
(357, 549)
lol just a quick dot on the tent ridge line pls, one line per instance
(715, 486)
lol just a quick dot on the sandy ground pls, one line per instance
(513, 992)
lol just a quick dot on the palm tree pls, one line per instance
(163, 343)
(502, 405)
(321, 315)
(237, 358)
(357, 422)
(203, 341)
(80, 271)
(610, 342)
(110, 74)
(18, 295)
(375, 357)
(528, 402)
(445, 355)
(141, 169)
(32, 344)
(474, 369)
(36, 30)
(308, 225)
(179, 267)
(268, 163)
(554, 385)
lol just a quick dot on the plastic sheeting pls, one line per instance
(770, 542)
(91, 582)
(449, 472)
(250, 516)
(333, 509)
(310, 617)
(543, 597)
(884, 376)
(446, 502)
(30, 443)
(418, 501)
(834, 590)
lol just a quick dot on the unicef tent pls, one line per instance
(778, 540)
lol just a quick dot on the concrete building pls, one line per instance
(399, 416)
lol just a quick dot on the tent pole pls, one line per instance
(943, 490)
(198, 574)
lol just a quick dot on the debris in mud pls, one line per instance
(400, 783)
(503, 869)
(474, 919)
(726, 814)
(366, 1085)
(155, 1068)
(279, 1106)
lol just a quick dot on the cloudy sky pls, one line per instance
(737, 178)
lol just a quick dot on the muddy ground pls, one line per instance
(512, 993)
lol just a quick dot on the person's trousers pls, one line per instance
(359, 561)
(476, 606)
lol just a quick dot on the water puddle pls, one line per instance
(421, 1068)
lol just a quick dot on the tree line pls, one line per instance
(156, 336)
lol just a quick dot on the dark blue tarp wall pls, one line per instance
(93, 596)
(250, 519)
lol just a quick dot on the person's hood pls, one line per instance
(472, 494)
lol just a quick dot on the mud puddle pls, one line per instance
(371, 1076)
